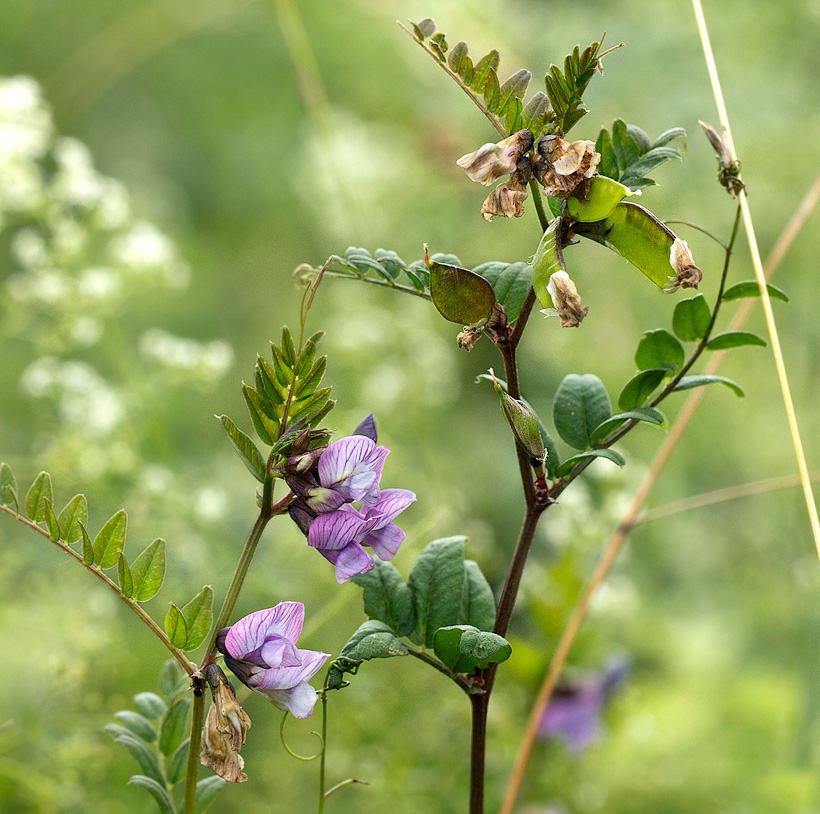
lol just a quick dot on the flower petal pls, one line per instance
(250, 633)
(392, 502)
(340, 459)
(352, 560)
(283, 678)
(298, 701)
(353, 467)
(385, 541)
(277, 651)
(367, 427)
(335, 530)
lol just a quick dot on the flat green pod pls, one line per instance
(604, 195)
(639, 237)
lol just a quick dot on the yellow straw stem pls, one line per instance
(761, 281)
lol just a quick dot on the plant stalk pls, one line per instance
(197, 717)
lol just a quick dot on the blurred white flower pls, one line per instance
(209, 359)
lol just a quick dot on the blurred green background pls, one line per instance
(257, 135)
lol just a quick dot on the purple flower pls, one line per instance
(349, 471)
(340, 535)
(260, 650)
(352, 467)
(574, 713)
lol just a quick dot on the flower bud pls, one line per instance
(301, 442)
(225, 729)
(566, 300)
(523, 422)
(492, 161)
(299, 464)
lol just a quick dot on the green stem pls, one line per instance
(538, 200)
(245, 558)
(192, 770)
(183, 660)
(421, 655)
(322, 795)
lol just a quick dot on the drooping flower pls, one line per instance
(261, 651)
(566, 300)
(506, 200)
(569, 166)
(574, 713)
(493, 161)
(340, 536)
(225, 729)
(687, 274)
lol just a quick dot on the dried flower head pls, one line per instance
(566, 300)
(493, 161)
(687, 274)
(505, 201)
(729, 172)
(225, 730)
(569, 166)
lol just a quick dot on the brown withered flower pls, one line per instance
(687, 274)
(568, 167)
(506, 200)
(493, 161)
(729, 172)
(225, 730)
(566, 300)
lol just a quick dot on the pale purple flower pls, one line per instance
(340, 535)
(352, 467)
(261, 651)
(574, 713)
(348, 470)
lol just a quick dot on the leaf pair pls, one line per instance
(139, 581)
(187, 627)
(444, 592)
(583, 417)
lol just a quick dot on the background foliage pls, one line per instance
(252, 162)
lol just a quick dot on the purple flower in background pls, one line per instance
(574, 713)
(340, 535)
(261, 651)
(349, 471)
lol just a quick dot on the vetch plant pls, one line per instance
(445, 613)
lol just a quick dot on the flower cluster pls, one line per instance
(261, 651)
(563, 168)
(347, 471)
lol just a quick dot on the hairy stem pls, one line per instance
(197, 717)
(239, 575)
